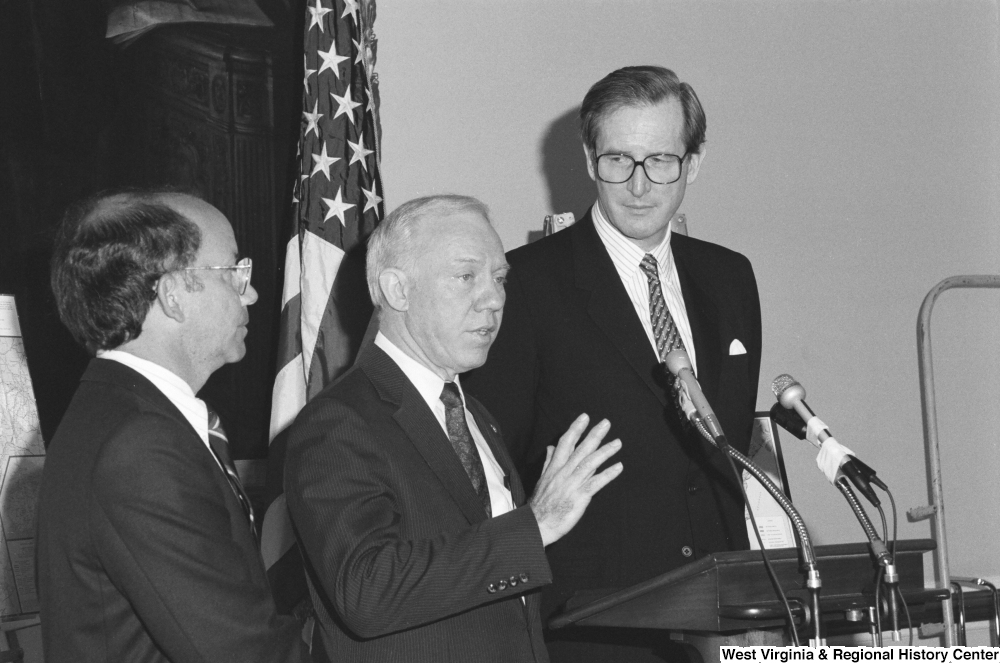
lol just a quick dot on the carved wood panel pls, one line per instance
(201, 116)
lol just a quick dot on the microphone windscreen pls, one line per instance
(781, 383)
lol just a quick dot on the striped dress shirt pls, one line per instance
(626, 256)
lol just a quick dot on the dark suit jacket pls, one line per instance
(144, 553)
(571, 342)
(402, 562)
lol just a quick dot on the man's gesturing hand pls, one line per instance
(568, 480)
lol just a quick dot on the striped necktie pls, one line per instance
(665, 332)
(219, 443)
(464, 445)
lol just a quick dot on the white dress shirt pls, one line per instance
(626, 256)
(430, 386)
(173, 387)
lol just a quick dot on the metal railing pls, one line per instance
(929, 408)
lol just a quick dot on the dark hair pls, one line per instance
(110, 251)
(639, 86)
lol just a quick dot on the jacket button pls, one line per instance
(692, 490)
(491, 588)
(686, 551)
(513, 581)
(502, 585)
(524, 577)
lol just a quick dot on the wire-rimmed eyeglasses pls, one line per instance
(241, 273)
(659, 168)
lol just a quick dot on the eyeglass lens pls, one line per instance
(243, 270)
(659, 168)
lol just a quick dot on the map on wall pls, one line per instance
(22, 454)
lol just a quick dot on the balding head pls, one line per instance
(110, 251)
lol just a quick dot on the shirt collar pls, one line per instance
(171, 385)
(149, 369)
(624, 253)
(428, 383)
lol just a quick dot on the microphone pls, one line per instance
(679, 364)
(789, 420)
(799, 417)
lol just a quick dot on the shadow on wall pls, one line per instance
(565, 168)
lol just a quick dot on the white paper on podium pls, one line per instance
(773, 524)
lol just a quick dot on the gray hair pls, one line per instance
(392, 245)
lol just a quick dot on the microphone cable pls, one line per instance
(792, 629)
(893, 589)
(698, 411)
(879, 575)
(892, 550)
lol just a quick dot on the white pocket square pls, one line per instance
(736, 348)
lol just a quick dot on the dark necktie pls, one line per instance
(664, 330)
(219, 443)
(462, 442)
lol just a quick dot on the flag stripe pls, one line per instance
(316, 284)
(293, 271)
(288, 397)
(289, 394)
(290, 340)
(275, 530)
(281, 557)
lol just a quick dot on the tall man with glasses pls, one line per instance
(146, 539)
(591, 312)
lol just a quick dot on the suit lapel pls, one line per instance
(610, 308)
(422, 429)
(119, 375)
(703, 316)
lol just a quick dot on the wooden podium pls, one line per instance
(728, 599)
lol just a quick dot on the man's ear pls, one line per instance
(169, 296)
(395, 288)
(694, 164)
(590, 162)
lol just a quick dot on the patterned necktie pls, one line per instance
(219, 443)
(664, 330)
(461, 441)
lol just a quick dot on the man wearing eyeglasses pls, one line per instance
(146, 540)
(591, 313)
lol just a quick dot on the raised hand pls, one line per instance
(568, 480)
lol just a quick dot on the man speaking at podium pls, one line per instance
(591, 313)
(420, 544)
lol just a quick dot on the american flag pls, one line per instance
(337, 203)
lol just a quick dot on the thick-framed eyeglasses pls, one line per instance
(241, 273)
(659, 168)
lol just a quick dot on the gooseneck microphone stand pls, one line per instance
(791, 420)
(813, 581)
(878, 547)
(882, 556)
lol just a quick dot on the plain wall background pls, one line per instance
(852, 156)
